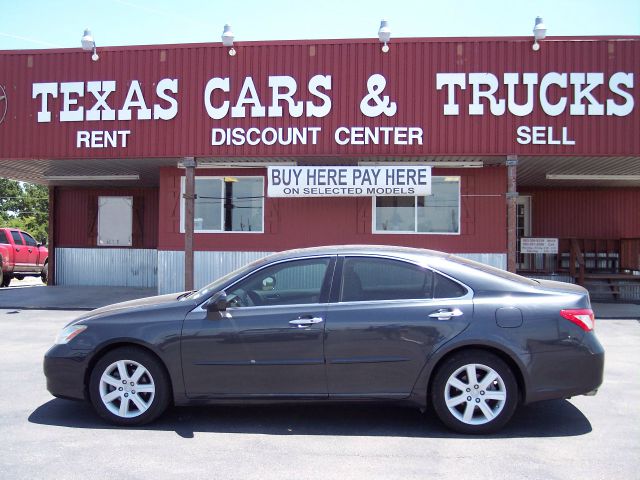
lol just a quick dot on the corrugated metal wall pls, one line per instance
(208, 266)
(585, 213)
(308, 222)
(410, 68)
(76, 215)
(122, 267)
(212, 265)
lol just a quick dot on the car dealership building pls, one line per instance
(155, 155)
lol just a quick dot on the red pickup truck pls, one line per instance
(21, 256)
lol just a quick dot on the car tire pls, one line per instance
(139, 398)
(6, 280)
(480, 406)
(44, 275)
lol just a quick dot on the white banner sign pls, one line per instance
(349, 181)
(539, 245)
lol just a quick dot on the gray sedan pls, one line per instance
(338, 324)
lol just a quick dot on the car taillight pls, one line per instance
(582, 317)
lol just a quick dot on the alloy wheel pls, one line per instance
(475, 394)
(127, 388)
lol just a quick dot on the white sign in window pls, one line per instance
(226, 204)
(348, 181)
(435, 213)
(539, 245)
(115, 221)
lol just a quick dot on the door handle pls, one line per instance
(446, 313)
(30, 250)
(306, 322)
(17, 249)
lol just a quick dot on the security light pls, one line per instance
(384, 34)
(539, 33)
(227, 39)
(89, 45)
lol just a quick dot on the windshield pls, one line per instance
(216, 285)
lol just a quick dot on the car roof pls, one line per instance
(388, 250)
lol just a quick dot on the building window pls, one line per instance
(115, 221)
(227, 204)
(436, 213)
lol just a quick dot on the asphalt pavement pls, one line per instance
(47, 438)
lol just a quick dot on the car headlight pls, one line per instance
(69, 333)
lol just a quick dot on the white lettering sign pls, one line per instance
(73, 111)
(348, 181)
(585, 90)
(539, 245)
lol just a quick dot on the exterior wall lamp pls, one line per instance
(227, 39)
(539, 32)
(384, 34)
(89, 45)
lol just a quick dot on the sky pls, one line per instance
(38, 24)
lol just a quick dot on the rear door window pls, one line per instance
(17, 238)
(3, 237)
(29, 240)
(369, 279)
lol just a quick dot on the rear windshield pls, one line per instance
(498, 272)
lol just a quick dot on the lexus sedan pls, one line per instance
(338, 324)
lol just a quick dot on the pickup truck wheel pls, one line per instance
(6, 280)
(1, 277)
(44, 276)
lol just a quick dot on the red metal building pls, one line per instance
(112, 138)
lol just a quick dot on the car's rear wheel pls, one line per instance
(6, 280)
(44, 275)
(129, 386)
(474, 392)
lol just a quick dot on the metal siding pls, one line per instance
(410, 68)
(208, 267)
(307, 222)
(72, 215)
(125, 267)
(585, 213)
(212, 265)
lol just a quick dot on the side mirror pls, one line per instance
(217, 303)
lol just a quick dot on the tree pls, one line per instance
(25, 206)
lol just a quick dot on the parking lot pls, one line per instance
(43, 437)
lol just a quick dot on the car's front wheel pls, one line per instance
(129, 386)
(474, 392)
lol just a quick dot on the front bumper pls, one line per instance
(65, 370)
(576, 370)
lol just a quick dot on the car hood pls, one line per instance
(147, 303)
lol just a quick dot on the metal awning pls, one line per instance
(532, 171)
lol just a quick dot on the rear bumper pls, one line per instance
(65, 371)
(565, 373)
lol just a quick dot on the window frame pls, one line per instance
(325, 297)
(222, 213)
(336, 289)
(375, 231)
(325, 287)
